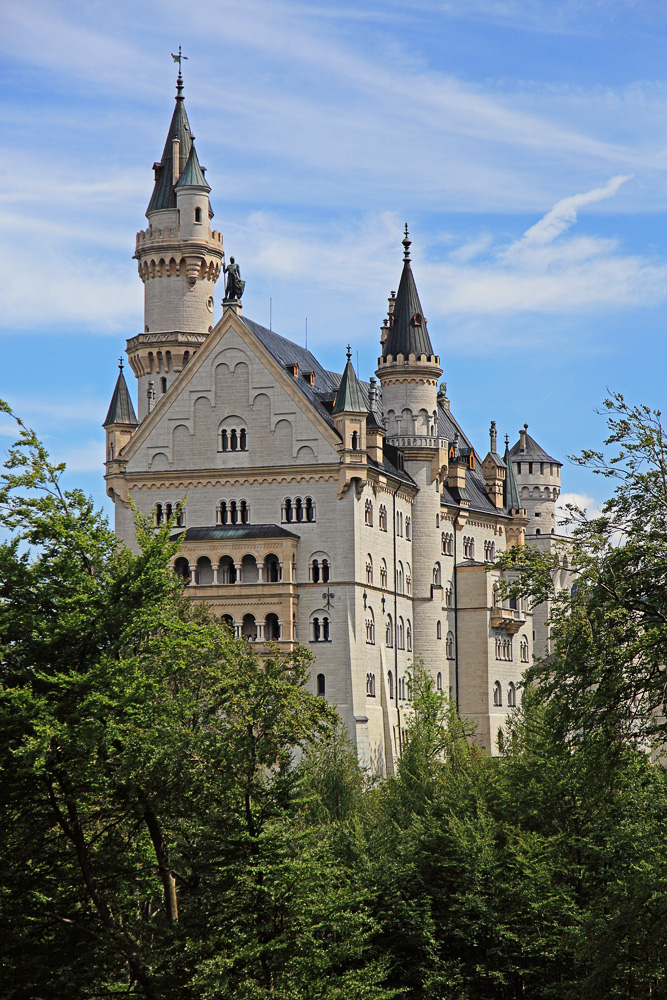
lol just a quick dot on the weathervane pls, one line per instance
(179, 59)
(120, 363)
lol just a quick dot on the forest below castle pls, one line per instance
(182, 820)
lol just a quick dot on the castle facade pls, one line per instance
(354, 517)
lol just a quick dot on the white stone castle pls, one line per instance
(355, 518)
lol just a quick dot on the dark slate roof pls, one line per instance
(120, 410)
(164, 195)
(510, 491)
(193, 175)
(226, 532)
(533, 452)
(476, 493)
(326, 383)
(407, 332)
(349, 397)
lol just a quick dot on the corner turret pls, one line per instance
(350, 415)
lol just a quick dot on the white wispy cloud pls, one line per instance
(564, 214)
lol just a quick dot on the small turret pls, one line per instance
(350, 414)
(120, 422)
(516, 532)
(493, 470)
(538, 482)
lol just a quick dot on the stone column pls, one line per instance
(239, 574)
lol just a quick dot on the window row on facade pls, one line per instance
(234, 439)
(403, 526)
(297, 510)
(167, 511)
(403, 687)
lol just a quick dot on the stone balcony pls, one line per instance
(509, 619)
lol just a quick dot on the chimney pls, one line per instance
(493, 438)
(522, 439)
(373, 395)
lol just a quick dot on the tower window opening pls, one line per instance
(321, 685)
(163, 383)
(197, 214)
(233, 440)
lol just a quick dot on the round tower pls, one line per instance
(538, 481)
(179, 259)
(408, 372)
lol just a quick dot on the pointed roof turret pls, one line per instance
(193, 175)
(164, 195)
(510, 490)
(407, 332)
(121, 410)
(349, 398)
(527, 449)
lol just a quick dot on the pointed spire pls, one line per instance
(164, 195)
(407, 333)
(349, 398)
(193, 175)
(510, 490)
(121, 410)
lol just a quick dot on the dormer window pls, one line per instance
(417, 320)
(293, 368)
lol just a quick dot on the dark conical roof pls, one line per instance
(163, 192)
(193, 175)
(408, 333)
(349, 397)
(533, 452)
(121, 410)
(510, 490)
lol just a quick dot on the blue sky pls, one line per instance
(524, 141)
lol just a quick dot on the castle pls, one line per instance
(356, 518)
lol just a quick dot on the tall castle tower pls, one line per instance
(179, 259)
(408, 372)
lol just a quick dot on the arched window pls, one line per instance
(408, 636)
(382, 519)
(370, 627)
(298, 509)
(408, 528)
(448, 597)
(233, 512)
(159, 517)
(389, 632)
(368, 513)
(234, 440)
(400, 633)
(198, 214)
(182, 568)
(272, 569)
(163, 384)
(437, 575)
(523, 649)
(383, 574)
(408, 578)
(355, 441)
(369, 569)
(249, 628)
(288, 513)
(400, 580)
(224, 440)
(309, 508)
(497, 695)
(243, 439)
(244, 512)
(437, 520)
(320, 627)
(390, 680)
(370, 685)
(315, 571)
(226, 570)
(449, 646)
(443, 544)
(438, 630)
(272, 628)
(325, 571)
(438, 681)
(511, 695)
(321, 685)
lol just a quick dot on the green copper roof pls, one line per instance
(349, 397)
(407, 333)
(193, 175)
(121, 410)
(510, 491)
(164, 195)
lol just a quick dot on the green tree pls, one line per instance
(153, 830)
